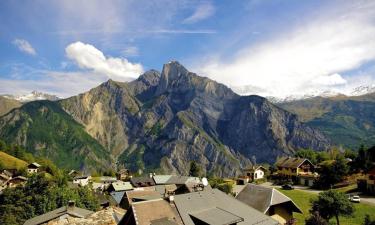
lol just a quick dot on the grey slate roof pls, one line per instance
(142, 181)
(34, 165)
(72, 211)
(216, 216)
(197, 203)
(161, 179)
(121, 186)
(262, 198)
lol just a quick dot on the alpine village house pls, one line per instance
(299, 170)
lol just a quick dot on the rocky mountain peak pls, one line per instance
(171, 72)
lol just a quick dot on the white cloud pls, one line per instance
(304, 58)
(203, 11)
(89, 57)
(330, 80)
(24, 46)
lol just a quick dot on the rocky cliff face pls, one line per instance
(164, 121)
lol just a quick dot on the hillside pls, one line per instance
(348, 121)
(11, 162)
(44, 129)
(7, 104)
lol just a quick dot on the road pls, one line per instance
(364, 198)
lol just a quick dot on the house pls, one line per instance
(139, 195)
(216, 207)
(3, 179)
(142, 181)
(107, 180)
(63, 213)
(123, 174)
(17, 181)
(82, 180)
(269, 201)
(255, 172)
(368, 184)
(153, 212)
(33, 167)
(182, 184)
(299, 170)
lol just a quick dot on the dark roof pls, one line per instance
(72, 211)
(216, 216)
(372, 171)
(193, 205)
(289, 162)
(254, 168)
(142, 181)
(155, 212)
(262, 198)
(33, 165)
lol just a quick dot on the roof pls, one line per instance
(161, 179)
(289, 162)
(121, 186)
(72, 211)
(216, 216)
(34, 165)
(262, 198)
(142, 181)
(81, 177)
(117, 196)
(19, 178)
(142, 194)
(255, 168)
(197, 203)
(155, 212)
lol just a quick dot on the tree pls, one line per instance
(332, 204)
(307, 154)
(316, 219)
(368, 220)
(332, 173)
(195, 170)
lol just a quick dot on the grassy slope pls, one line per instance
(54, 134)
(302, 199)
(11, 162)
(347, 121)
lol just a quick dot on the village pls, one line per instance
(262, 194)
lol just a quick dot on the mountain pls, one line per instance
(347, 120)
(163, 121)
(44, 129)
(7, 104)
(33, 96)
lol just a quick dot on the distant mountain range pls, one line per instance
(253, 90)
(33, 96)
(160, 122)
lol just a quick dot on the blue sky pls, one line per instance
(279, 47)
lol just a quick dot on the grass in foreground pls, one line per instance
(302, 199)
(11, 162)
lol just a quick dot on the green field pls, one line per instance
(302, 199)
(10, 162)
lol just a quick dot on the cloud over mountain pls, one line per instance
(88, 57)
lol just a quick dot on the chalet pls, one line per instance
(300, 170)
(216, 207)
(107, 180)
(33, 167)
(255, 172)
(270, 202)
(17, 181)
(82, 180)
(368, 184)
(154, 212)
(123, 174)
(60, 214)
(3, 179)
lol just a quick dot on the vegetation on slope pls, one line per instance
(44, 129)
(10, 162)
